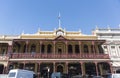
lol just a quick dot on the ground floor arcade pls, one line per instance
(43, 68)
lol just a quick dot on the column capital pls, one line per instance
(54, 62)
(95, 62)
(66, 62)
(54, 42)
(93, 43)
(80, 42)
(40, 42)
(39, 63)
(81, 62)
(27, 42)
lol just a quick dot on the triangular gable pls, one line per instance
(60, 38)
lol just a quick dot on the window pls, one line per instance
(12, 74)
(85, 48)
(33, 48)
(113, 47)
(49, 48)
(105, 47)
(70, 50)
(76, 48)
(59, 51)
(42, 48)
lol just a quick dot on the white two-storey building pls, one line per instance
(112, 44)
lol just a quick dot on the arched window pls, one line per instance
(70, 49)
(24, 50)
(49, 48)
(85, 48)
(33, 48)
(42, 48)
(77, 49)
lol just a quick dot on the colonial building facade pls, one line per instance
(62, 51)
(111, 46)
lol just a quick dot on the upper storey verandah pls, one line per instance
(55, 44)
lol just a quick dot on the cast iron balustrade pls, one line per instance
(3, 57)
(58, 56)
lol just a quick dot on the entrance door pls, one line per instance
(59, 51)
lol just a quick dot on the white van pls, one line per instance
(19, 73)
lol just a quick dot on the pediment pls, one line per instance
(60, 38)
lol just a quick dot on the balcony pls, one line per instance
(3, 57)
(58, 56)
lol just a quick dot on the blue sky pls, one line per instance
(29, 15)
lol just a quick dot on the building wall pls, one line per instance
(112, 45)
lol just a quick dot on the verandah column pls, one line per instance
(93, 43)
(96, 68)
(10, 46)
(26, 49)
(111, 69)
(54, 67)
(24, 65)
(54, 42)
(66, 67)
(82, 68)
(66, 47)
(5, 69)
(39, 69)
(80, 47)
(40, 46)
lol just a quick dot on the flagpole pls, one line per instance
(59, 21)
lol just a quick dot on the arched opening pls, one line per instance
(1, 68)
(77, 49)
(60, 47)
(49, 48)
(16, 47)
(90, 69)
(21, 66)
(46, 69)
(10, 67)
(30, 66)
(74, 69)
(85, 48)
(33, 48)
(24, 48)
(70, 49)
(104, 68)
(42, 48)
(60, 68)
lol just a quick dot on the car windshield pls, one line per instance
(12, 74)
